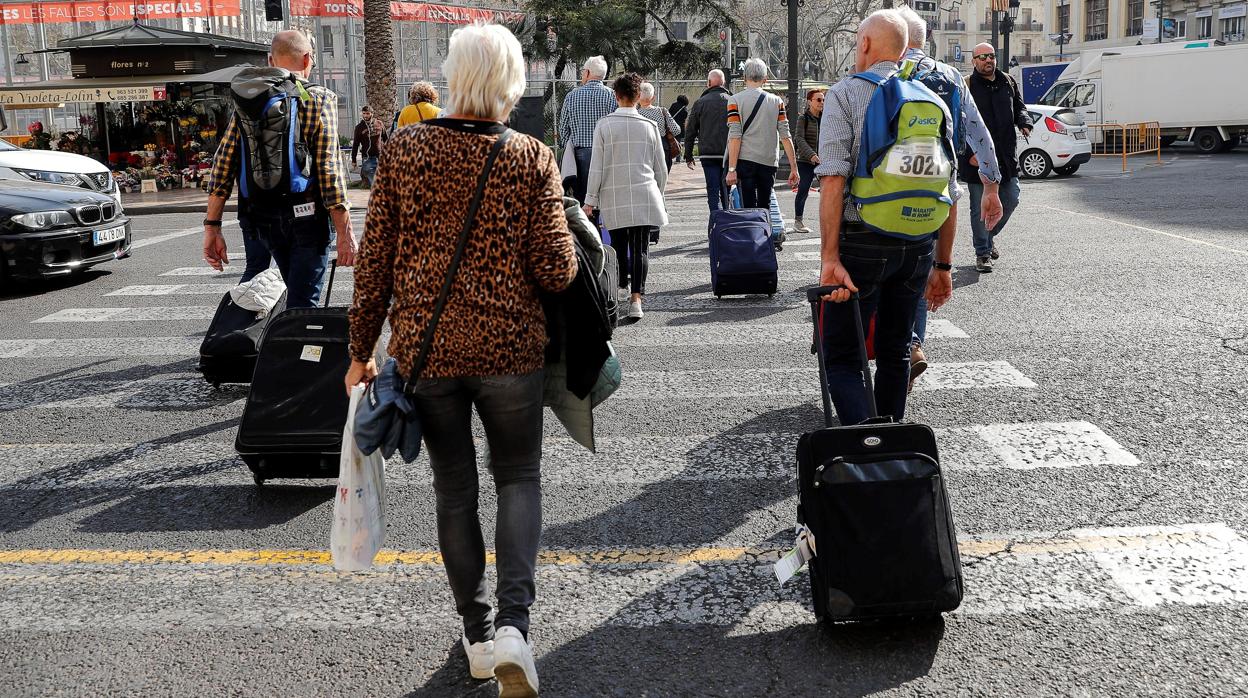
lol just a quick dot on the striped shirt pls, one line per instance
(582, 109)
(844, 112)
(318, 125)
(771, 124)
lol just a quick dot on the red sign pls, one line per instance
(113, 11)
(402, 11)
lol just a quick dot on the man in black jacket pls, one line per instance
(708, 125)
(1001, 106)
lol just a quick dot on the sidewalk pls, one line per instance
(196, 201)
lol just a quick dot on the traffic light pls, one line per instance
(742, 53)
(273, 10)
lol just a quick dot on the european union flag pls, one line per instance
(1038, 79)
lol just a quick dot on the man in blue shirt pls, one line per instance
(582, 109)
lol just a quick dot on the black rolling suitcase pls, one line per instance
(232, 342)
(874, 500)
(293, 420)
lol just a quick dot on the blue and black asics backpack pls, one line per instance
(942, 84)
(274, 162)
(905, 159)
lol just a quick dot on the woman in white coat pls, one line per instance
(627, 174)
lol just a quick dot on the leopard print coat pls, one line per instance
(493, 322)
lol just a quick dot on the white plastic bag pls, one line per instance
(359, 527)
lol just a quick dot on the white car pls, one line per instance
(1058, 143)
(56, 168)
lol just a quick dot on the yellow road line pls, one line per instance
(636, 556)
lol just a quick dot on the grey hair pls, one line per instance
(597, 67)
(755, 70)
(916, 25)
(647, 90)
(715, 76)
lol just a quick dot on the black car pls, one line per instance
(53, 230)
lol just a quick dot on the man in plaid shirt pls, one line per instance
(582, 109)
(298, 235)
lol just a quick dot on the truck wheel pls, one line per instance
(1035, 164)
(1208, 140)
(1066, 171)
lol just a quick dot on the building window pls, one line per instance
(1063, 19)
(1026, 49)
(1097, 20)
(680, 31)
(1135, 17)
(1233, 29)
(1204, 27)
(1180, 28)
(327, 40)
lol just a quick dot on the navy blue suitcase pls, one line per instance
(743, 258)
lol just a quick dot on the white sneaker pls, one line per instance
(513, 664)
(480, 658)
(634, 310)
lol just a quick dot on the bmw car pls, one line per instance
(71, 169)
(54, 230)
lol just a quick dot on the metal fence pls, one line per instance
(1125, 140)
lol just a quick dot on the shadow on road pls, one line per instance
(15, 289)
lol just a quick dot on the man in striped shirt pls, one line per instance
(755, 120)
(582, 109)
(297, 235)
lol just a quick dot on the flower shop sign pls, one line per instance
(113, 11)
(81, 95)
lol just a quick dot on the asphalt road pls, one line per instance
(1087, 397)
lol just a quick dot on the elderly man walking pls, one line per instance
(294, 226)
(707, 125)
(582, 109)
(755, 120)
(972, 132)
(888, 268)
(1001, 104)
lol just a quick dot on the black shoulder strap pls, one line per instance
(427, 341)
(746, 126)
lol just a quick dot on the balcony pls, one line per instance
(1019, 26)
(958, 26)
(1024, 60)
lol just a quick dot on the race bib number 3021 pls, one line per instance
(923, 159)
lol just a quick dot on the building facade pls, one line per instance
(1095, 24)
(960, 27)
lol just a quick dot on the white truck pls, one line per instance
(1184, 87)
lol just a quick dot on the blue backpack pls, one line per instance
(274, 162)
(938, 81)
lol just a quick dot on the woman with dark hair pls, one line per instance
(680, 111)
(627, 173)
(806, 139)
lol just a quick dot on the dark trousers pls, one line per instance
(510, 408)
(632, 247)
(806, 175)
(713, 171)
(582, 156)
(756, 183)
(890, 274)
(258, 257)
(300, 246)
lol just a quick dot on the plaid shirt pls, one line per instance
(318, 124)
(582, 109)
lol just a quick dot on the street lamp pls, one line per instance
(1061, 39)
(1007, 26)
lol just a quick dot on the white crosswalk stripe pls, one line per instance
(173, 290)
(149, 314)
(743, 335)
(205, 271)
(99, 347)
(180, 392)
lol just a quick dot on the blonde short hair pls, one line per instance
(422, 92)
(484, 71)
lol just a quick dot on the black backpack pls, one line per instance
(274, 162)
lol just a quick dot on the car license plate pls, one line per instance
(1081, 135)
(103, 237)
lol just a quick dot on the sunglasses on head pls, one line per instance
(986, 56)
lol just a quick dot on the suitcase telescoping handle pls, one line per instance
(815, 297)
(329, 287)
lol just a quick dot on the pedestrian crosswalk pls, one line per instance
(624, 553)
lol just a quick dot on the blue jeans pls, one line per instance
(713, 171)
(806, 176)
(1009, 201)
(756, 183)
(300, 246)
(258, 257)
(510, 408)
(890, 274)
(368, 171)
(583, 157)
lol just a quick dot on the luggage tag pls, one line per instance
(793, 561)
(305, 210)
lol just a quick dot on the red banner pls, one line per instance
(401, 11)
(113, 11)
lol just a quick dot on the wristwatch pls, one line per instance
(943, 266)
(732, 169)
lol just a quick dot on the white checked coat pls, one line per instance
(627, 172)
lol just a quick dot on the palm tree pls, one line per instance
(379, 67)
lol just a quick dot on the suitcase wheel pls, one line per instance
(257, 479)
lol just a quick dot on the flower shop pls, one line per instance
(148, 101)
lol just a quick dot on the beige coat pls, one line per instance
(627, 171)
